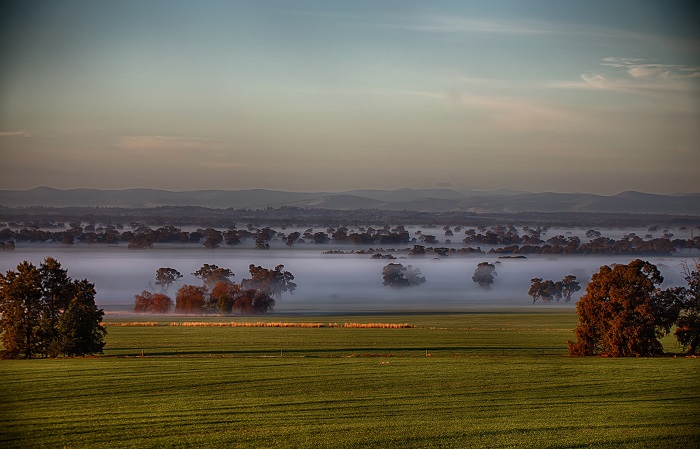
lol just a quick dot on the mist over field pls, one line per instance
(331, 283)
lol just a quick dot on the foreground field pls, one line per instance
(492, 380)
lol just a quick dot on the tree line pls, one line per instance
(45, 313)
(509, 238)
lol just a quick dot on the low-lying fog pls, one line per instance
(330, 283)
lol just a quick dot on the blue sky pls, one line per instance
(595, 96)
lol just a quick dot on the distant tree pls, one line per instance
(569, 286)
(623, 313)
(152, 302)
(395, 275)
(143, 302)
(223, 296)
(292, 238)
(418, 250)
(142, 241)
(252, 301)
(547, 290)
(162, 303)
(190, 299)
(273, 282)
(212, 274)
(165, 277)
(263, 237)
(320, 237)
(212, 238)
(484, 275)
(541, 289)
(232, 237)
(413, 276)
(79, 326)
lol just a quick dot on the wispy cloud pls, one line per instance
(638, 76)
(14, 134)
(454, 24)
(640, 69)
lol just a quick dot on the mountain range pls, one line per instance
(431, 200)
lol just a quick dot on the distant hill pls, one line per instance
(432, 200)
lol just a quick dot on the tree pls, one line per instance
(161, 303)
(43, 312)
(252, 301)
(223, 296)
(211, 274)
(20, 306)
(213, 238)
(292, 238)
(272, 282)
(143, 302)
(548, 290)
(623, 313)
(190, 299)
(688, 326)
(484, 275)
(395, 275)
(57, 292)
(152, 302)
(79, 326)
(541, 289)
(165, 277)
(569, 286)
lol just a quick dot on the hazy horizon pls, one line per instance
(439, 187)
(312, 96)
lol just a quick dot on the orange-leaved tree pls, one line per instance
(190, 299)
(623, 313)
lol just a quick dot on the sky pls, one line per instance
(565, 96)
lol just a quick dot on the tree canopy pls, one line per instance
(272, 282)
(547, 290)
(396, 275)
(45, 313)
(484, 275)
(623, 312)
(165, 277)
(211, 274)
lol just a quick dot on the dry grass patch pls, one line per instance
(302, 325)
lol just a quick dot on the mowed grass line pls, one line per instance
(440, 335)
(228, 387)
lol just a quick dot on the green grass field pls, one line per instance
(492, 380)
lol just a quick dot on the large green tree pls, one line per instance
(623, 313)
(79, 329)
(21, 309)
(45, 313)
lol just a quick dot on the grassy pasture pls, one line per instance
(493, 380)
